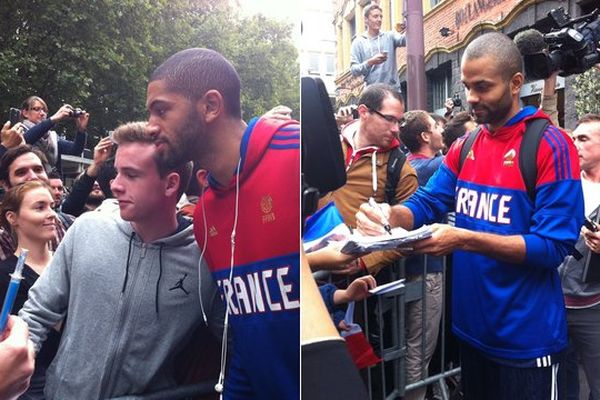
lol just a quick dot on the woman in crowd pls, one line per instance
(27, 212)
(39, 133)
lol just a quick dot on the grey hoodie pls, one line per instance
(131, 308)
(365, 47)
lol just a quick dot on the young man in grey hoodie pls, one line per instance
(129, 284)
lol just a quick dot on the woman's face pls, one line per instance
(36, 219)
(36, 113)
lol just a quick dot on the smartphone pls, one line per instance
(591, 225)
(110, 136)
(14, 116)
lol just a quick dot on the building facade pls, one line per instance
(449, 25)
(318, 43)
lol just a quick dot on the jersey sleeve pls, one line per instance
(559, 211)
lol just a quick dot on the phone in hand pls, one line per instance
(591, 225)
(14, 116)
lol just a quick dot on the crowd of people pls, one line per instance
(128, 287)
(178, 246)
(509, 210)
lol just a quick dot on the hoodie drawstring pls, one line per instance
(159, 276)
(374, 170)
(128, 259)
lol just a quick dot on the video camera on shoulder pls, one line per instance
(570, 46)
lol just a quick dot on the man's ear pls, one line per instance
(424, 137)
(11, 217)
(516, 83)
(362, 111)
(173, 181)
(211, 105)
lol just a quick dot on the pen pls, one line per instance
(386, 223)
(13, 288)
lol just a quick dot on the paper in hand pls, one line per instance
(359, 244)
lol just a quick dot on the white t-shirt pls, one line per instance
(591, 195)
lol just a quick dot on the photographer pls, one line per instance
(84, 189)
(39, 133)
(11, 136)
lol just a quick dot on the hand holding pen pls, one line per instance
(384, 220)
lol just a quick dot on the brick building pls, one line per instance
(449, 25)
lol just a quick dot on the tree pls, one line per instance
(587, 87)
(99, 54)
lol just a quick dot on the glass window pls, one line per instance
(329, 64)
(313, 63)
(440, 87)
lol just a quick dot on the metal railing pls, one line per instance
(388, 380)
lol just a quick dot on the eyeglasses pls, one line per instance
(38, 109)
(388, 118)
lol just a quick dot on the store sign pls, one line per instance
(473, 9)
(536, 87)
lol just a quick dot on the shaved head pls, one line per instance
(500, 48)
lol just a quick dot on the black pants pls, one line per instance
(484, 379)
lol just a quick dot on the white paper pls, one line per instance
(359, 244)
(388, 287)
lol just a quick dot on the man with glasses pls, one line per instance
(367, 144)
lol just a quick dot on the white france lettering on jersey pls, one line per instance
(485, 206)
(258, 292)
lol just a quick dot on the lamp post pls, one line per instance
(415, 49)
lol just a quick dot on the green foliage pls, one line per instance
(99, 54)
(587, 87)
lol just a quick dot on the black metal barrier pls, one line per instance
(388, 380)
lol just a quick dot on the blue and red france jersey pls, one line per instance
(509, 311)
(263, 293)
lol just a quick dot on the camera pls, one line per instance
(14, 116)
(569, 47)
(456, 100)
(76, 112)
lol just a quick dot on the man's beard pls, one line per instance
(494, 115)
(184, 147)
(95, 199)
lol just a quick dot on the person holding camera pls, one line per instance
(582, 292)
(39, 133)
(373, 53)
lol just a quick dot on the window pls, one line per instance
(329, 64)
(313, 63)
(440, 82)
(435, 2)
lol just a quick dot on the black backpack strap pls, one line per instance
(528, 153)
(394, 167)
(466, 146)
